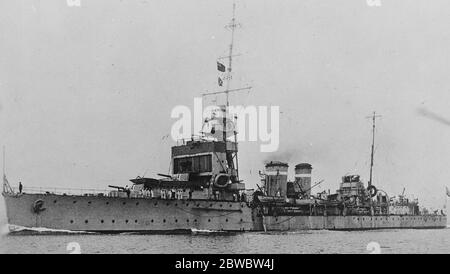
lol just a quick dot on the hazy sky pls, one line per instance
(86, 92)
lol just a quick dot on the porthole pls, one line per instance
(226, 220)
(242, 220)
(107, 203)
(220, 205)
(164, 220)
(167, 204)
(195, 220)
(54, 201)
(210, 205)
(102, 221)
(89, 202)
(187, 204)
(187, 220)
(124, 203)
(176, 204)
(86, 221)
(209, 220)
(155, 204)
(126, 221)
(113, 221)
(71, 221)
(230, 205)
(135, 221)
(176, 221)
(137, 204)
(152, 221)
(74, 202)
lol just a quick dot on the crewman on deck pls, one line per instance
(20, 187)
(128, 191)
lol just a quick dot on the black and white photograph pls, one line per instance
(218, 127)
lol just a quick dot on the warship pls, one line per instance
(204, 194)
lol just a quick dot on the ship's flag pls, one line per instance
(448, 191)
(220, 67)
(220, 81)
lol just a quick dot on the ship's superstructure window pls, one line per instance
(195, 164)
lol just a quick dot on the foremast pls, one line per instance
(231, 147)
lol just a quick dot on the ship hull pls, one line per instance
(362, 222)
(108, 214)
(112, 215)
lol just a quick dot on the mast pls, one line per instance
(374, 116)
(232, 25)
(231, 154)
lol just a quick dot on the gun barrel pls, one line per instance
(117, 187)
(164, 175)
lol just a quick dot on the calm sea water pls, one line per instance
(389, 241)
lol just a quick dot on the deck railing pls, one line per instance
(63, 191)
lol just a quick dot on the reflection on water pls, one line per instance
(389, 241)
